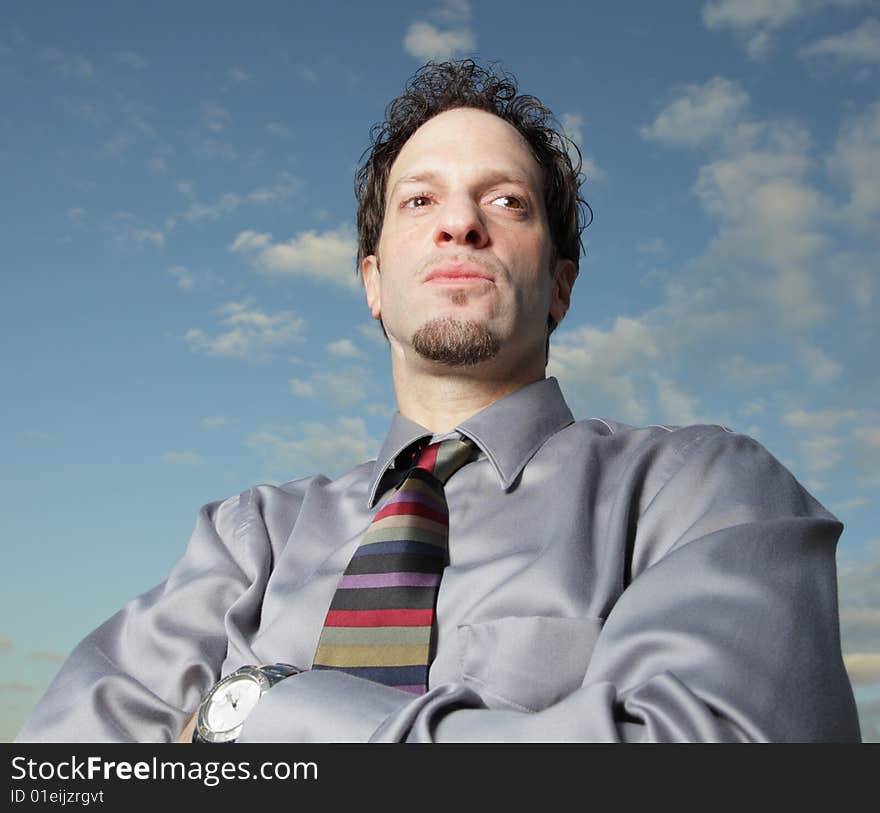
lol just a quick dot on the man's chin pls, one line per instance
(455, 342)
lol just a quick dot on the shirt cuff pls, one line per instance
(322, 706)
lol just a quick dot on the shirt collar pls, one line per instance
(509, 431)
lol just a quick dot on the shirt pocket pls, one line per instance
(526, 663)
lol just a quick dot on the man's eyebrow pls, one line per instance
(486, 178)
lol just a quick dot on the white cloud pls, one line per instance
(278, 130)
(307, 74)
(572, 126)
(215, 117)
(600, 370)
(344, 348)
(821, 420)
(130, 59)
(705, 113)
(859, 591)
(821, 453)
(861, 44)
(127, 232)
(183, 458)
(849, 505)
(372, 331)
(224, 205)
(213, 422)
(212, 148)
(72, 67)
(453, 11)
(117, 145)
(740, 371)
(336, 388)
(329, 448)
(675, 405)
(754, 20)
(425, 41)
(76, 213)
(863, 667)
(819, 366)
(855, 161)
(284, 187)
(238, 75)
(250, 333)
(327, 256)
(652, 248)
(301, 388)
(185, 280)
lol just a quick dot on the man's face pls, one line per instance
(462, 273)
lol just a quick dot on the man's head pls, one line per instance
(458, 135)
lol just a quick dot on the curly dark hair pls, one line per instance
(437, 87)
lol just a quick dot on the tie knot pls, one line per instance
(445, 458)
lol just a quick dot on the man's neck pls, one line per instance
(441, 399)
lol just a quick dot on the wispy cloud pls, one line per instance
(312, 447)
(125, 229)
(859, 589)
(249, 332)
(282, 188)
(17, 687)
(238, 75)
(703, 113)
(344, 348)
(5, 643)
(754, 21)
(71, 66)
(860, 44)
(453, 36)
(214, 422)
(130, 59)
(183, 458)
(185, 280)
(863, 667)
(214, 117)
(327, 256)
(337, 388)
(855, 161)
(47, 656)
(573, 127)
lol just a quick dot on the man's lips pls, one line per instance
(459, 275)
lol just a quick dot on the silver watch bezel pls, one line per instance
(204, 733)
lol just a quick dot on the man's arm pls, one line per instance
(728, 631)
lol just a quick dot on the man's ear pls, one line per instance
(565, 274)
(372, 284)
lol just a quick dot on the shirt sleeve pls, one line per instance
(727, 631)
(139, 675)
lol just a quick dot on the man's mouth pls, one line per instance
(459, 274)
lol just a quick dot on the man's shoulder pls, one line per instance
(626, 438)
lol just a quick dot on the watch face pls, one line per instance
(228, 707)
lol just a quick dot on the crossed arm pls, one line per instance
(726, 631)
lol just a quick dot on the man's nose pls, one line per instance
(460, 223)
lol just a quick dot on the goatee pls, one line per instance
(455, 342)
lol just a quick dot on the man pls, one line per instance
(595, 581)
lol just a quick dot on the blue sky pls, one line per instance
(181, 317)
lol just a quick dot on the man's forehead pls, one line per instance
(466, 136)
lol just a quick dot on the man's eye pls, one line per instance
(417, 202)
(509, 202)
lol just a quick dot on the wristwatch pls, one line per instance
(226, 706)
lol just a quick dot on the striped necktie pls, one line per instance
(381, 617)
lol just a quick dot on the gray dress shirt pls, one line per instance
(605, 583)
